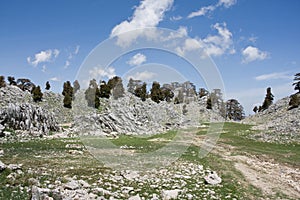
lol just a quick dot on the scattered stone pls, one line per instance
(2, 130)
(130, 175)
(170, 194)
(72, 185)
(15, 167)
(2, 166)
(136, 197)
(213, 179)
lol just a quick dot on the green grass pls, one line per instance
(236, 136)
(50, 159)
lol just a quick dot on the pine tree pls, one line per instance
(156, 93)
(255, 109)
(118, 90)
(104, 90)
(234, 110)
(268, 99)
(37, 94)
(11, 80)
(141, 92)
(47, 85)
(76, 86)
(297, 82)
(294, 101)
(92, 94)
(167, 94)
(2, 81)
(203, 92)
(209, 103)
(68, 94)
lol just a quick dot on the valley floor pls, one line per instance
(67, 168)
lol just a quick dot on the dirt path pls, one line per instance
(261, 172)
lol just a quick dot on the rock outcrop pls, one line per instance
(277, 123)
(28, 117)
(130, 115)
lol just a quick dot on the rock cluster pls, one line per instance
(28, 117)
(130, 115)
(277, 123)
(165, 184)
(13, 94)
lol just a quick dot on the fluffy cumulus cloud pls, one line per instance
(148, 14)
(212, 45)
(209, 9)
(143, 76)
(275, 75)
(251, 54)
(137, 59)
(180, 33)
(43, 56)
(100, 73)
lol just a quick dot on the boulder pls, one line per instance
(213, 179)
(170, 194)
(2, 166)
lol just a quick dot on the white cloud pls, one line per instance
(44, 68)
(100, 73)
(56, 79)
(143, 76)
(202, 11)
(272, 76)
(212, 45)
(226, 3)
(43, 56)
(252, 39)
(76, 50)
(55, 53)
(67, 64)
(180, 33)
(137, 59)
(176, 18)
(209, 9)
(251, 53)
(148, 14)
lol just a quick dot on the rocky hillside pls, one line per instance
(126, 115)
(130, 115)
(278, 123)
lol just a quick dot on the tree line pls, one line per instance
(231, 109)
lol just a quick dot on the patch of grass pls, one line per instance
(144, 144)
(236, 136)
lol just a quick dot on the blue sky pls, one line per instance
(254, 44)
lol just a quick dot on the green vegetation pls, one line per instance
(47, 86)
(268, 100)
(51, 159)
(68, 94)
(37, 94)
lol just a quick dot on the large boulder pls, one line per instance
(28, 117)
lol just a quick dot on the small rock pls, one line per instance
(72, 185)
(213, 179)
(84, 184)
(136, 197)
(14, 166)
(170, 194)
(2, 166)
(131, 175)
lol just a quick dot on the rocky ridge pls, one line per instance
(27, 117)
(130, 115)
(277, 123)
